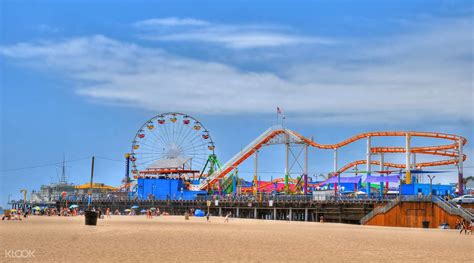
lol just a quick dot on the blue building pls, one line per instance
(164, 189)
(424, 189)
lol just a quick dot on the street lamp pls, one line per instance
(431, 184)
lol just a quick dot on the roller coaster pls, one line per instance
(280, 135)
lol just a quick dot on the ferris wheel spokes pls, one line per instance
(173, 136)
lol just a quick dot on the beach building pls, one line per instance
(54, 192)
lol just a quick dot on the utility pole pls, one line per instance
(63, 171)
(90, 187)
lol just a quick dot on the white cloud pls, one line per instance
(241, 40)
(230, 36)
(170, 21)
(48, 29)
(426, 76)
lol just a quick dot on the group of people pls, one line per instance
(149, 214)
(9, 215)
(464, 226)
(208, 216)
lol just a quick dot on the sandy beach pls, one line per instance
(170, 238)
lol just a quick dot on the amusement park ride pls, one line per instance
(177, 147)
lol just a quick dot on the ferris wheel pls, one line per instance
(171, 139)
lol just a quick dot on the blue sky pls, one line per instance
(79, 78)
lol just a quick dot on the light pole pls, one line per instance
(431, 184)
(153, 195)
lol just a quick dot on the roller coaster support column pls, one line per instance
(369, 160)
(407, 155)
(234, 182)
(460, 168)
(413, 164)
(381, 174)
(305, 176)
(255, 171)
(287, 165)
(336, 185)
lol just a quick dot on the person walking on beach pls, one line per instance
(226, 220)
(463, 227)
(149, 215)
(107, 212)
(458, 224)
(208, 215)
(100, 213)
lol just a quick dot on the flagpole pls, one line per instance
(277, 117)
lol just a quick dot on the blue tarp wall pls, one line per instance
(348, 187)
(163, 189)
(424, 189)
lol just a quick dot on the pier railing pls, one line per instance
(294, 198)
(453, 209)
(263, 197)
(379, 210)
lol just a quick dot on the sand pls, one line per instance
(170, 238)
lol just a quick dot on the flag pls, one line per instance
(279, 110)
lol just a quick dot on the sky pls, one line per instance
(79, 78)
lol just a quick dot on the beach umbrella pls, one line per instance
(127, 210)
(361, 193)
(13, 210)
(135, 207)
(36, 208)
(152, 209)
(143, 211)
(199, 213)
(74, 206)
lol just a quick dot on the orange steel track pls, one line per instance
(439, 150)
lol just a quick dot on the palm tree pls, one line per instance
(465, 180)
(321, 175)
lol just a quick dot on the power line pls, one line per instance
(108, 159)
(43, 165)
